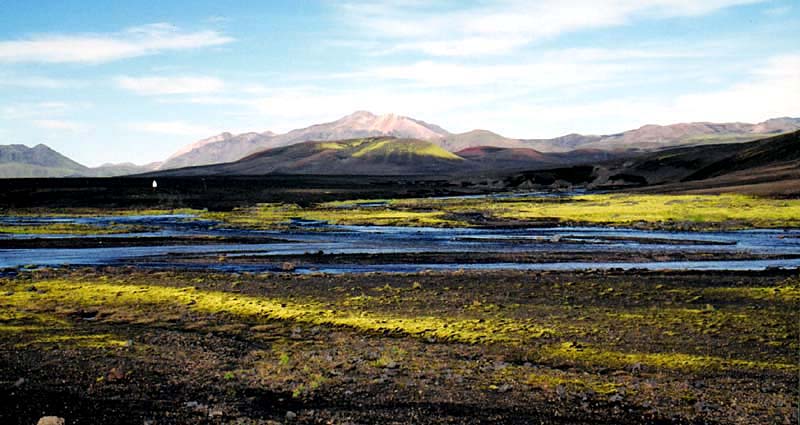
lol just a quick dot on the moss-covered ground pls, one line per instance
(691, 212)
(504, 347)
(680, 212)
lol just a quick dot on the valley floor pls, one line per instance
(122, 345)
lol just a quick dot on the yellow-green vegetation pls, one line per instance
(278, 215)
(569, 351)
(548, 332)
(67, 229)
(668, 340)
(391, 146)
(626, 209)
(549, 380)
(49, 330)
(728, 211)
(95, 294)
(82, 341)
(787, 293)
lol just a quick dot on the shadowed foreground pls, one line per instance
(126, 346)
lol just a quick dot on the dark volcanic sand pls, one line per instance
(185, 366)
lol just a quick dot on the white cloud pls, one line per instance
(35, 82)
(170, 85)
(773, 91)
(65, 125)
(503, 26)
(39, 110)
(173, 128)
(542, 75)
(107, 47)
(769, 92)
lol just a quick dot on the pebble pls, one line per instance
(290, 416)
(561, 391)
(504, 388)
(51, 420)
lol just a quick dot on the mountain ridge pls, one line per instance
(366, 124)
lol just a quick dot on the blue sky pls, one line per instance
(134, 81)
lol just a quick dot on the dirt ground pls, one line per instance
(122, 345)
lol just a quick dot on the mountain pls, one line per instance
(561, 144)
(478, 138)
(227, 147)
(123, 169)
(38, 161)
(768, 166)
(498, 158)
(364, 156)
(360, 124)
(655, 137)
(20, 161)
(769, 160)
(224, 147)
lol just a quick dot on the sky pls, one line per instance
(118, 81)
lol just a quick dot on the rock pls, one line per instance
(114, 375)
(195, 406)
(216, 413)
(51, 420)
(504, 388)
(616, 398)
(561, 391)
(290, 416)
(288, 267)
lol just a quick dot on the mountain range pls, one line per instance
(474, 150)
(227, 147)
(768, 166)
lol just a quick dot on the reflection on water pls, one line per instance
(383, 240)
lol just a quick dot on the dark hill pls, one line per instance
(367, 156)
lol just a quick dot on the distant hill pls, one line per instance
(686, 164)
(38, 161)
(365, 156)
(655, 137)
(769, 166)
(497, 158)
(20, 161)
(123, 169)
(478, 138)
